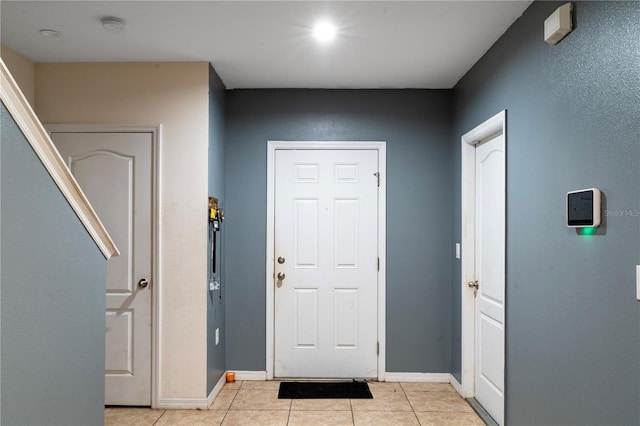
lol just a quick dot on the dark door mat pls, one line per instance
(324, 390)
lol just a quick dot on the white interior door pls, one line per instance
(326, 239)
(490, 273)
(114, 171)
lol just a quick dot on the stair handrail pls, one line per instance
(35, 133)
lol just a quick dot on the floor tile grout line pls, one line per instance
(409, 401)
(290, 407)
(353, 417)
(415, 414)
(413, 410)
(158, 419)
(229, 407)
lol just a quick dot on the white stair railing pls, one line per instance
(33, 130)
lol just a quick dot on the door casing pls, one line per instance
(156, 136)
(272, 146)
(493, 126)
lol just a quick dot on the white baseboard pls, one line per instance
(216, 389)
(182, 403)
(456, 385)
(251, 375)
(418, 377)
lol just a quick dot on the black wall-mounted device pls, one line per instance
(583, 208)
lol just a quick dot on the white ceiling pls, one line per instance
(267, 44)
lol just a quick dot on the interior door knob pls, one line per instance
(473, 284)
(281, 276)
(143, 283)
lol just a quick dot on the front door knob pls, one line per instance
(143, 283)
(281, 276)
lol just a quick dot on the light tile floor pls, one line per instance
(256, 403)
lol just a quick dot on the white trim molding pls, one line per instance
(427, 378)
(182, 403)
(419, 377)
(381, 147)
(156, 236)
(492, 127)
(216, 389)
(456, 385)
(39, 139)
(251, 375)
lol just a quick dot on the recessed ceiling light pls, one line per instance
(324, 31)
(113, 24)
(50, 33)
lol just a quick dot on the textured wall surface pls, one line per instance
(573, 323)
(215, 302)
(52, 283)
(416, 126)
(175, 95)
(22, 70)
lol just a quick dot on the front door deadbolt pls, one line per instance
(281, 260)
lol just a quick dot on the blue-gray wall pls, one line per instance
(52, 284)
(416, 124)
(215, 301)
(573, 324)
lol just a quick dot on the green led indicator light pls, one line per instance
(588, 231)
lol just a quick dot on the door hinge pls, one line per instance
(378, 348)
(378, 264)
(377, 175)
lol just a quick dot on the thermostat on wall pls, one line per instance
(583, 208)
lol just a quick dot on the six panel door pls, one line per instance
(326, 222)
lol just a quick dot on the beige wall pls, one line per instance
(174, 95)
(22, 70)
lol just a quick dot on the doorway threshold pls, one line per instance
(480, 411)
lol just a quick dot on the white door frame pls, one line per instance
(272, 146)
(494, 126)
(155, 287)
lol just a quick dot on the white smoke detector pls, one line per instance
(558, 24)
(113, 24)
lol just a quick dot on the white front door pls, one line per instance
(114, 172)
(490, 273)
(326, 251)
